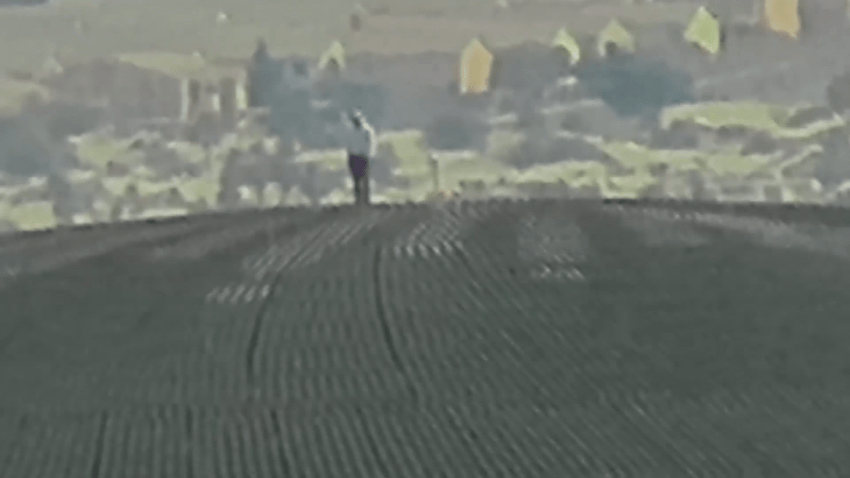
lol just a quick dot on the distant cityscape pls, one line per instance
(694, 112)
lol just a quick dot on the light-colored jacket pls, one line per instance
(361, 141)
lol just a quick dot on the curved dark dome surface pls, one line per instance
(512, 339)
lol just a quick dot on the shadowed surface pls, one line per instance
(533, 339)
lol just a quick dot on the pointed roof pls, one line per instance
(476, 44)
(334, 52)
(475, 67)
(615, 33)
(563, 39)
(705, 31)
(783, 16)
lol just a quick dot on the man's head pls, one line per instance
(356, 118)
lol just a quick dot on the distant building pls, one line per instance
(614, 39)
(566, 44)
(705, 32)
(517, 79)
(155, 85)
(475, 68)
(208, 86)
(333, 60)
(783, 16)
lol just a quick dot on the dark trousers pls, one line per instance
(359, 168)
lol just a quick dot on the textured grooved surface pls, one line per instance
(533, 339)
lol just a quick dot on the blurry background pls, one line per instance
(118, 109)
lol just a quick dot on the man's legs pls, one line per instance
(357, 166)
(357, 185)
(361, 190)
(364, 188)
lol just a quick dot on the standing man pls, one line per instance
(361, 147)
